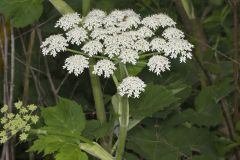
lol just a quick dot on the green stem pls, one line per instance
(84, 54)
(86, 5)
(96, 150)
(123, 120)
(62, 6)
(97, 94)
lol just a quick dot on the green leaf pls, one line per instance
(166, 143)
(155, 98)
(135, 69)
(206, 104)
(95, 130)
(21, 12)
(67, 115)
(62, 132)
(71, 152)
(48, 144)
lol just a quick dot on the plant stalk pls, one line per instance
(98, 96)
(123, 120)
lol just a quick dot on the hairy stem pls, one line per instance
(98, 96)
(123, 111)
(123, 120)
(62, 6)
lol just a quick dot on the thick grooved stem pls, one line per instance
(123, 119)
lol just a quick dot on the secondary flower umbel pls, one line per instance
(116, 39)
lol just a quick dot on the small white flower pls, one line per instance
(112, 50)
(92, 47)
(131, 86)
(178, 47)
(130, 20)
(104, 67)
(158, 20)
(68, 21)
(113, 18)
(129, 56)
(76, 64)
(77, 35)
(54, 44)
(172, 32)
(141, 45)
(158, 64)
(158, 44)
(145, 32)
(99, 33)
(118, 42)
(94, 19)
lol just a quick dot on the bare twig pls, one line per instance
(6, 148)
(62, 82)
(12, 68)
(33, 68)
(28, 55)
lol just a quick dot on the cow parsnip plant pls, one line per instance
(111, 44)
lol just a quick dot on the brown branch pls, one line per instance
(12, 68)
(28, 55)
(6, 149)
(62, 82)
(235, 66)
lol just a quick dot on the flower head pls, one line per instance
(104, 67)
(92, 47)
(76, 64)
(141, 45)
(121, 36)
(158, 20)
(77, 35)
(54, 44)
(158, 44)
(129, 56)
(131, 86)
(172, 32)
(68, 21)
(158, 64)
(94, 19)
(178, 47)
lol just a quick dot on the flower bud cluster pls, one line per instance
(19, 122)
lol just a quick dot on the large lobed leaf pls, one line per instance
(155, 98)
(64, 124)
(169, 143)
(67, 115)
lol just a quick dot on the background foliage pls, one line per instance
(189, 113)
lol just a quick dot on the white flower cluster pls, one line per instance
(104, 67)
(121, 36)
(131, 86)
(76, 64)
